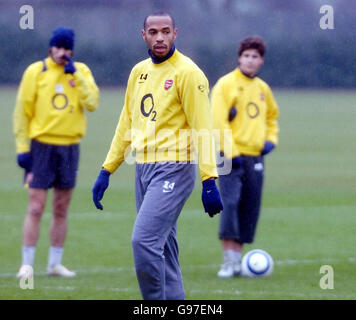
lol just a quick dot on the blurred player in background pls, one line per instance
(166, 93)
(244, 104)
(49, 121)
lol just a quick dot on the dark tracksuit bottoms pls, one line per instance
(241, 192)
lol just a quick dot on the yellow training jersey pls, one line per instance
(50, 104)
(245, 106)
(166, 116)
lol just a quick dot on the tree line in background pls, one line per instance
(299, 53)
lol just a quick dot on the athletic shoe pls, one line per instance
(60, 271)
(227, 270)
(230, 269)
(26, 271)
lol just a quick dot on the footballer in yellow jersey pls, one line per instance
(49, 121)
(164, 100)
(243, 104)
(50, 104)
(166, 116)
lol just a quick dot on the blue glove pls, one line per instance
(69, 67)
(24, 160)
(211, 198)
(269, 146)
(236, 162)
(100, 185)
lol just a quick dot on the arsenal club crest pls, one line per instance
(71, 83)
(168, 84)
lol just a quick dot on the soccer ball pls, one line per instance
(256, 263)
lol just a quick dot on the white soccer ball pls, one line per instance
(256, 263)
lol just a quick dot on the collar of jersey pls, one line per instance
(160, 60)
(247, 76)
(50, 63)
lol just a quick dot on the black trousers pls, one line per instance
(241, 193)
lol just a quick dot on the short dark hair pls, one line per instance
(253, 42)
(159, 14)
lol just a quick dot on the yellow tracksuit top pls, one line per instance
(50, 104)
(256, 118)
(165, 104)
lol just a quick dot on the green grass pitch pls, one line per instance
(308, 218)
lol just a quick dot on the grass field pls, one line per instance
(308, 217)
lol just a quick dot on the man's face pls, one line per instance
(57, 54)
(159, 35)
(250, 61)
